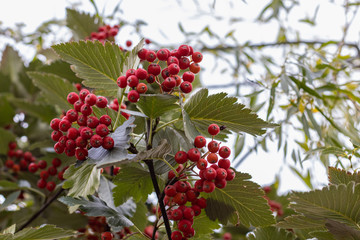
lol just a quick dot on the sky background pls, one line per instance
(162, 18)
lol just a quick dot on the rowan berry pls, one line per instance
(96, 141)
(141, 88)
(154, 69)
(42, 164)
(41, 183)
(133, 96)
(230, 174)
(83, 93)
(128, 43)
(107, 236)
(188, 77)
(183, 50)
(213, 146)
(162, 55)
(176, 235)
(184, 63)
(44, 174)
(132, 81)
(194, 154)
(174, 69)
(224, 152)
(64, 125)
(101, 102)
(197, 57)
(194, 68)
(220, 183)
(142, 53)
(86, 109)
(150, 56)
(92, 122)
(184, 225)
(185, 87)
(32, 167)
(169, 82)
(141, 73)
(81, 153)
(54, 124)
(102, 130)
(72, 97)
(56, 135)
(105, 119)
(150, 78)
(213, 129)
(72, 133)
(209, 173)
(212, 158)
(50, 186)
(121, 82)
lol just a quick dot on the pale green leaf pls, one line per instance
(203, 225)
(53, 88)
(158, 152)
(204, 109)
(44, 232)
(10, 229)
(9, 200)
(5, 137)
(82, 181)
(100, 65)
(269, 233)
(81, 24)
(140, 216)
(340, 176)
(154, 105)
(241, 200)
(62, 69)
(339, 203)
(132, 182)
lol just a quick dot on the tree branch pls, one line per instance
(41, 210)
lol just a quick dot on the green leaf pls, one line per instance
(155, 105)
(9, 200)
(322, 235)
(62, 69)
(203, 225)
(44, 232)
(268, 233)
(119, 154)
(155, 153)
(5, 137)
(132, 182)
(10, 229)
(7, 112)
(43, 111)
(53, 88)
(140, 219)
(131, 59)
(81, 24)
(241, 200)
(342, 231)
(82, 181)
(189, 128)
(95, 207)
(204, 109)
(332, 203)
(100, 65)
(340, 176)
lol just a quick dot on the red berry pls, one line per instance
(181, 186)
(106, 236)
(54, 124)
(209, 174)
(184, 225)
(188, 213)
(56, 162)
(183, 50)
(201, 164)
(213, 129)
(184, 63)
(41, 183)
(220, 183)
(224, 163)
(208, 186)
(83, 93)
(72, 97)
(9, 163)
(162, 55)
(82, 120)
(56, 135)
(141, 73)
(177, 79)
(141, 88)
(52, 171)
(70, 152)
(108, 142)
(113, 32)
(172, 60)
(132, 81)
(148, 231)
(92, 122)
(59, 149)
(201, 202)
(230, 174)
(64, 125)
(174, 69)
(224, 152)
(133, 96)
(199, 185)
(213, 146)
(189, 233)
(227, 236)
(128, 43)
(194, 154)
(150, 56)
(150, 78)
(44, 174)
(86, 133)
(142, 53)
(212, 158)
(200, 142)
(105, 119)
(96, 141)
(33, 167)
(188, 77)
(192, 194)
(181, 157)
(165, 73)
(101, 102)
(80, 142)
(169, 82)
(81, 153)
(86, 109)
(180, 198)
(267, 189)
(116, 170)
(50, 186)
(121, 82)
(90, 99)
(197, 209)
(186, 87)
(102, 130)
(176, 235)
(72, 133)
(129, 72)
(147, 41)
(197, 57)
(42, 164)
(194, 67)
(77, 105)
(221, 173)
(13, 145)
(154, 69)
(170, 190)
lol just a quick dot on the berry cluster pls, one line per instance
(92, 131)
(168, 78)
(180, 190)
(104, 33)
(18, 160)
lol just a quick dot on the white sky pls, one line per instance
(163, 16)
